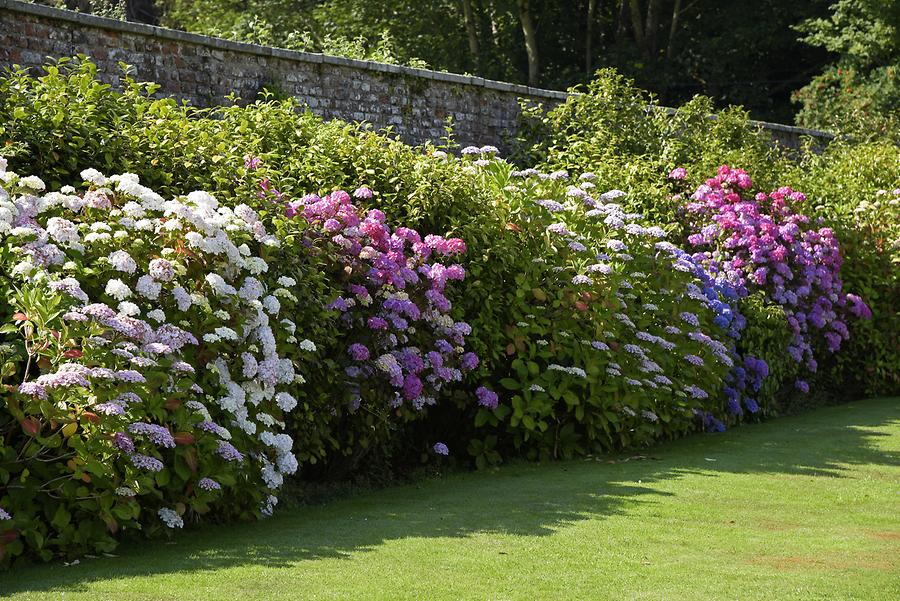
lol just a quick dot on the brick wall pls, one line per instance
(204, 70)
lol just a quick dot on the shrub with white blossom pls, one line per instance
(146, 382)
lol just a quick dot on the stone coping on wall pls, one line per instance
(312, 57)
(296, 55)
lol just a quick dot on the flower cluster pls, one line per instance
(157, 334)
(614, 308)
(405, 346)
(763, 243)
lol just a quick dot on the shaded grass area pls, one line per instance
(805, 507)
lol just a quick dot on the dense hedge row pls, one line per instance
(851, 189)
(176, 343)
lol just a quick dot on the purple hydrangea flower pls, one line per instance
(123, 442)
(358, 352)
(487, 398)
(469, 361)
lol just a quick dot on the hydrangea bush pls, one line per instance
(764, 243)
(402, 347)
(130, 405)
(152, 366)
(615, 336)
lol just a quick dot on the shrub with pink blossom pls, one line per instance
(402, 347)
(764, 243)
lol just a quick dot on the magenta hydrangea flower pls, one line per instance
(678, 173)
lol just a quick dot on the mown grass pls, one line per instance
(805, 507)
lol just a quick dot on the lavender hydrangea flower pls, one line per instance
(109, 409)
(694, 360)
(145, 462)
(157, 434)
(690, 318)
(62, 379)
(209, 484)
(440, 449)
(227, 452)
(130, 376)
(33, 389)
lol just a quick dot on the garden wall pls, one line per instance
(204, 70)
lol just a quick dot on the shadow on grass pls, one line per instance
(523, 499)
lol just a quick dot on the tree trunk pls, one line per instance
(621, 18)
(472, 34)
(637, 25)
(591, 10)
(651, 30)
(673, 29)
(527, 19)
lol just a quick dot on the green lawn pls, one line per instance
(804, 507)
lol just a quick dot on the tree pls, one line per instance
(526, 17)
(859, 93)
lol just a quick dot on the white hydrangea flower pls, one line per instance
(129, 309)
(92, 176)
(32, 182)
(118, 289)
(122, 261)
(170, 518)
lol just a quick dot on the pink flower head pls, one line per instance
(362, 192)
(376, 215)
(340, 197)
(678, 173)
